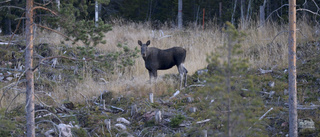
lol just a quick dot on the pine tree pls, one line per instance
(232, 88)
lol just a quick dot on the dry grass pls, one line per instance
(264, 46)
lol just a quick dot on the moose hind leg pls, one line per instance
(185, 76)
(182, 72)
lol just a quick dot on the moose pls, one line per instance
(157, 59)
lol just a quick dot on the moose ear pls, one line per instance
(139, 42)
(148, 42)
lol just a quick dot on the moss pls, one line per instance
(79, 132)
(10, 127)
(176, 121)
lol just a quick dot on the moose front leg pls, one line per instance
(152, 75)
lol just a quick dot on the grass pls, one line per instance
(265, 47)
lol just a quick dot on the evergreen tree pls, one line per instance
(236, 104)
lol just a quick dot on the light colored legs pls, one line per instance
(183, 73)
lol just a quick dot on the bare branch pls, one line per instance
(278, 35)
(301, 9)
(44, 110)
(45, 4)
(6, 112)
(40, 7)
(54, 31)
(265, 113)
(276, 10)
(15, 30)
(16, 7)
(5, 1)
(315, 13)
(41, 101)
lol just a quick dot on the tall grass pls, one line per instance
(264, 46)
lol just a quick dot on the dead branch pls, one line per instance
(315, 13)
(16, 7)
(6, 112)
(49, 121)
(48, 95)
(15, 31)
(40, 7)
(12, 85)
(265, 113)
(65, 57)
(44, 110)
(41, 101)
(300, 9)
(5, 1)
(278, 35)
(54, 31)
(276, 10)
(203, 121)
(45, 4)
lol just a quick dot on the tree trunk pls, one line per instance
(58, 4)
(180, 14)
(228, 83)
(242, 14)
(7, 30)
(234, 10)
(262, 13)
(262, 20)
(96, 13)
(29, 72)
(220, 12)
(293, 124)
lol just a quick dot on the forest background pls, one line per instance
(72, 91)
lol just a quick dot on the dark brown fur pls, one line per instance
(157, 59)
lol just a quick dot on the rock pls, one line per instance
(202, 71)
(306, 124)
(16, 75)
(158, 117)
(285, 92)
(151, 97)
(123, 120)
(204, 133)
(148, 115)
(65, 130)
(161, 135)
(271, 84)
(175, 94)
(108, 123)
(190, 99)
(193, 109)
(121, 126)
(9, 78)
(134, 110)
(271, 93)
(49, 133)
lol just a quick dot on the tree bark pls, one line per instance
(29, 73)
(96, 13)
(180, 14)
(262, 19)
(234, 10)
(293, 124)
(228, 83)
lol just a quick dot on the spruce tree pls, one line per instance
(235, 102)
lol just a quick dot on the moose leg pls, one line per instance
(182, 72)
(152, 75)
(185, 76)
(155, 75)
